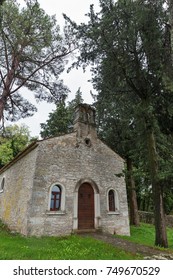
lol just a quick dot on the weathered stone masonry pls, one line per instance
(15, 199)
(68, 161)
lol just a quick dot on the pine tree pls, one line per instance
(61, 120)
(32, 55)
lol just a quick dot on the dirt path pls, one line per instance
(146, 251)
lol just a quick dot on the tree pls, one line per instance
(76, 101)
(1, 2)
(12, 141)
(58, 122)
(32, 55)
(129, 37)
(61, 120)
(118, 131)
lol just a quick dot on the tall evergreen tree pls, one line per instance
(118, 130)
(60, 121)
(125, 44)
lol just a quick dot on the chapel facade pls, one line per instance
(66, 184)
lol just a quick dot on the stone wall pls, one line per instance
(67, 160)
(15, 198)
(148, 217)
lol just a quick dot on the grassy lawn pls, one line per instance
(15, 246)
(145, 234)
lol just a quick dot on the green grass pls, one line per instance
(74, 247)
(17, 247)
(145, 234)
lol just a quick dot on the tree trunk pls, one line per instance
(134, 215)
(3, 100)
(160, 224)
(7, 82)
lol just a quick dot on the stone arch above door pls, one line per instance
(89, 181)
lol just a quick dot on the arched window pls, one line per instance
(113, 201)
(55, 200)
(2, 185)
(111, 198)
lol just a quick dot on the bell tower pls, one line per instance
(84, 121)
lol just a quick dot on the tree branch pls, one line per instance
(39, 68)
(2, 78)
(34, 81)
(6, 53)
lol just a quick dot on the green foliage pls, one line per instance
(6, 153)
(168, 201)
(32, 55)
(61, 120)
(12, 141)
(1, 2)
(58, 122)
(145, 235)
(76, 101)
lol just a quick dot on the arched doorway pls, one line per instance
(86, 207)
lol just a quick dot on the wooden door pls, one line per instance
(85, 207)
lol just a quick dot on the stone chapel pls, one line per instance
(65, 184)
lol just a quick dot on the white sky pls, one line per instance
(76, 10)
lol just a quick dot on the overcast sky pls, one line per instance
(76, 10)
